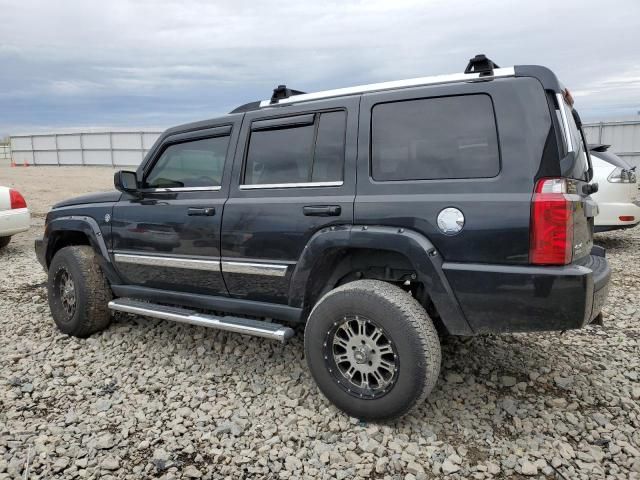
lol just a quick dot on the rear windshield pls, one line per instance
(434, 138)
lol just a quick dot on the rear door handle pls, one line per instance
(202, 212)
(322, 210)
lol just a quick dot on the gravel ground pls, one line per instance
(148, 398)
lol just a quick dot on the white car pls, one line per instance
(14, 214)
(617, 196)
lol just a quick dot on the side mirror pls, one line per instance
(126, 181)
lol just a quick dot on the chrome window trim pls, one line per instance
(377, 87)
(565, 122)
(182, 189)
(248, 268)
(212, 265)
(256, 186)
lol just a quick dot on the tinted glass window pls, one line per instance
(198, 163)
(298, 154)
(448, 137)
(582, 165)
(329, 154)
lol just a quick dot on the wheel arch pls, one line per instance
(336, 252)
(78, 230)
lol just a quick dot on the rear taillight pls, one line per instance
(551, 234)
(17, 200)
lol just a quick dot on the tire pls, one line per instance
(384, 312)
(4, 241)
(87, 311)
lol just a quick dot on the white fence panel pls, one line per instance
(117, 148)
(126, 141)
(69, 142)
(44, 142)
(45, 157)
(623, 136)
(92, 141)
(97, 157)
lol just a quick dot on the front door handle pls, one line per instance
(202, 212)
(322, 210)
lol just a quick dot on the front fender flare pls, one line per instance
(88, 226)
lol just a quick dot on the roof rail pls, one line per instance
(481, 64)
(396, 84)
(281, 92)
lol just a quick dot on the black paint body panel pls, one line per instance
(268, 224)
(501, 299)
(478, 280)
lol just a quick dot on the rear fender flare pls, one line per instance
(416, 247)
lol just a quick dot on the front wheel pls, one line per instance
(78, 292)
(4, 241)
(372, 349)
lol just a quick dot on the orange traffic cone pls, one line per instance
(25, 163)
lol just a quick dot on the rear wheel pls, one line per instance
(372, 349)
(78, 292)
(4, 241)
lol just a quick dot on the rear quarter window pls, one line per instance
(434, 138)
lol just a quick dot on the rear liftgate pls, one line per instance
(245, 326)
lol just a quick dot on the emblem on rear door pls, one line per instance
(450, 221)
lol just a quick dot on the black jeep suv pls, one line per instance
(373, 215)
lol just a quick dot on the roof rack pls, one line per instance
(481, 64)
(478, 68)
(281, 92)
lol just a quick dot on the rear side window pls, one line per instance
(435, 138)
(197, 163)
(297, 153)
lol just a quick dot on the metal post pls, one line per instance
(600, 133)
(33, 152)
(111, 148)
(81, 150)
(55, 139)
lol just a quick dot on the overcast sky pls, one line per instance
(152, 63)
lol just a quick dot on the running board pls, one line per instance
(245, 326)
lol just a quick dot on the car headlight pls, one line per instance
(622, 175)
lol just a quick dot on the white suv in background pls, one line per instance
(14, 215)
(617, 196)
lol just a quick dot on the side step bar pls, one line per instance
(245, 326)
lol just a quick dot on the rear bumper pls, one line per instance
(502, 298)
(14, 221)
(609, 215)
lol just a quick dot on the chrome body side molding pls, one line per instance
(209, 263)
(212, 265)
(257, 186)
(248, 268)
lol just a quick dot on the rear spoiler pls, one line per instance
(598, 147)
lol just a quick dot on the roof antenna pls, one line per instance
(482, 65)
